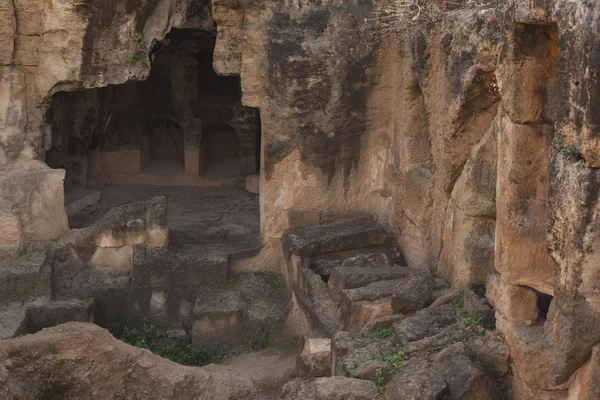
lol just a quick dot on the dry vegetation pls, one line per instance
(398, 17)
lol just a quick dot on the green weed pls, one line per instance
(138, 55)
(136, 37)
(178, 349)
(383, 334)
(261, 343)
(398, 360)
(475, 324)
(380, 382)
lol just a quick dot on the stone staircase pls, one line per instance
(343, 274)
(346, 274)
(26, 303)
(117, 272)
(189, 288)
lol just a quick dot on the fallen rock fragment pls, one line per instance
(316, 357)
(414, 292)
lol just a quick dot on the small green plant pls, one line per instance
(136, 36)
(138, 55)
(397, 359)
(383, 334)
(457, 304)
(571, 153)
(232, 281)
(178, 349)
(475, 324)
(261, 343)
(380, 382)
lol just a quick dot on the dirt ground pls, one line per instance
(197, 215)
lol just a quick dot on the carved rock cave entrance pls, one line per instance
(181, 131)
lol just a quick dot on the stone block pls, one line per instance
(316, 356)
(316, 300)
(413, 292)
(24, 278)
(13, 118)
(363, 312)
(492, 351)
(230, 41)
(342, 388)
(572, 330)
(109, 241)
(515, 303)
(45, 313)
(27, 50)
(522, 255)
(112, 258)
(464, 377)
(13, 320)
(418, 382)
(353, 234)
(529, 352)
(253, 183)
(36, 196)
(30, 17)
(8, 28)
(355, 277)
(371, 292)
(218, 317)
(422, 324)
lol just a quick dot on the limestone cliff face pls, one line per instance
(475, 138)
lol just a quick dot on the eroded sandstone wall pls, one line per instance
(474, 138)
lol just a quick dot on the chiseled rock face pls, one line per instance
(516, 303)
(108, 244)
(477, 141)
(31, 204)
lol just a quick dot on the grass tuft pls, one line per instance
(383, 334)
(178, 349)
(474, 324)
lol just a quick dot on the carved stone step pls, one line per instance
(347, 235)
(353, 277)
(24, 278)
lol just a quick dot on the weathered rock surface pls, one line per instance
(35, 365)
(413, 293)
(516, 303)
(476, 141)
(319, 239)
(334, 388)
(316, 356)
(419, 382)
(31, 205)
